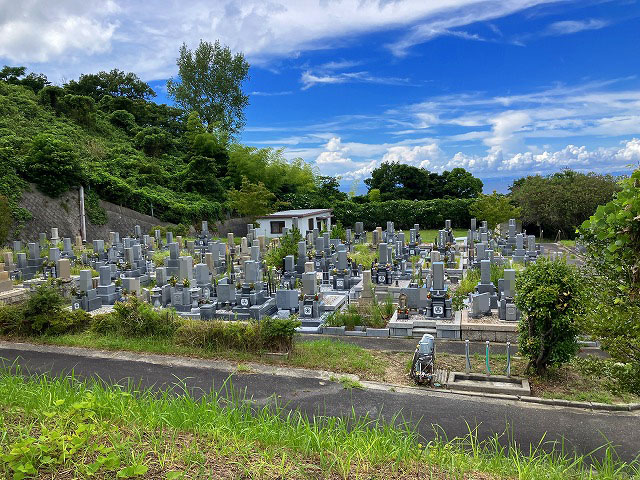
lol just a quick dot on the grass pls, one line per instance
(62, 428)
(569, 382)
(329, 355)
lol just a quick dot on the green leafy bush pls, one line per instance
(612, 239)
(124, 120)
(67, 321)
(53, 165)
(348, 318)
(134, 317)
(219, 335)
(13, 321)
(548, 295)
(621, 377)
(43, 305)
(42, 314)
(288, 246)
(277, 333)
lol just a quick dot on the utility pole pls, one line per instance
(83, 225)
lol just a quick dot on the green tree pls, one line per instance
(495, 208)
(115, 83)
(458, 183)
(253, 199)
(210, 83)
(562, 201)
(17, 76)
(612, 239)
(399, 181)
(52, 164)
(374, 195)
(548, 295)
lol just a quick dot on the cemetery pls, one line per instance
(324, 240)
(385, 283)
(406, 291)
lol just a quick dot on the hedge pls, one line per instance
(405, 213)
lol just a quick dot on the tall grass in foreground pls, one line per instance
(106, 422)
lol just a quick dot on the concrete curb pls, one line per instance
(294, 372)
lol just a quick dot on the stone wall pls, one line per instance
(64, 213)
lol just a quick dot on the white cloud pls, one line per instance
(567, 27)
(425, 156)
(452, 15)
(571, 156)
(72, 37)
(309, 79)
(30, 32)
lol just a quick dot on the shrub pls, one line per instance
(103, 323)
(466, 286)
(621, 377)
(43, 305)
(154, 141)
(219, 335)
(13, 321)
(349, 318)
(80, 108)
(277, 333)
(288, 246)
(43, 314)
(67, 321)
(271, 334)
(548, 295)
(136, 318)
(124, 120)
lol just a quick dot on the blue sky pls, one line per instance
(503, 88)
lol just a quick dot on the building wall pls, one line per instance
(303, 225)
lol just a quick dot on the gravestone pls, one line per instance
(485, 285)
(185, 269)
(106, 290)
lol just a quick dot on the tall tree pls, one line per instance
(210, 82)
(562, 201)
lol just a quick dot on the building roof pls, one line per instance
(305, 212)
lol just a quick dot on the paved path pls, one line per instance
(313, 393)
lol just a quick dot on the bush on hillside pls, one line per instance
(124, 120)
(53, 165)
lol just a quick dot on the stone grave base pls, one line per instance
(487, 328)
(15, 295)
(478, 382)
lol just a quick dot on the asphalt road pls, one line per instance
(580, 430)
